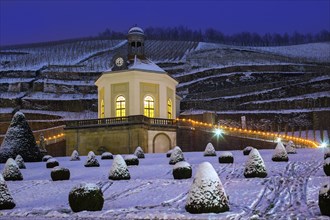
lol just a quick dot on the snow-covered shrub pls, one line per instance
(11, 171)
(86, 196)
(326, 166)
(75, 156)
(168, 153)
(60, 173)
(20, 162)
(91, 160)
(290, 148)
(206, 193)
(119, 170)
(255, 166)
(139, 152)
(226, 157)
(106, 156)
(19, 139)
(182, 170)
(324, 199)
(247, 150)
(131, 160)
(209, 150)
(46, 157)
(51, 163)
(6, 200)
(326, 152)
(280, 153)
(176, 155)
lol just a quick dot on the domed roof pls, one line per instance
(135, 30)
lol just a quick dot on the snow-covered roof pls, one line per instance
(146, 64)
(135, 30)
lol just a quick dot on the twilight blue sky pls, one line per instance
(27, 21)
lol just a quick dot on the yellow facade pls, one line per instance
(144, 92)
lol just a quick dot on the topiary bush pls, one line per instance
(6, 200)
(119, 170)
(86, 197)
(326, 166)
(19, 139)
(46, 157)
(60, 173)
(51, 163)
(226, 157)
(20, 162)
(106, 156)
(139, 152)
(326, 152)
(131, 160)
(91, 160)
(255, 166)
(209, 151)
(324, 199)
(280, 153)
(11, 171)
(206, 193)
(75, 156)
(247, 150)
(176, 155)
(182, 170)
(290, 148)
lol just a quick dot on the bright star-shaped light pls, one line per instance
(218, 132)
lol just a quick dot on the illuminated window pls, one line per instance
(102, 109)
(120, 106)
(169, 109)
(149, 107)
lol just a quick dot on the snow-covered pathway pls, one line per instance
(289, 191)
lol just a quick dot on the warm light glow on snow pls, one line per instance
(252, 133)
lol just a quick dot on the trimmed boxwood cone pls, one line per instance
(139, 152)
(20, 162)
(280, 154)
(255, 166)
(182, 170)
(324, 199)
(226, 157)
(209, 151)
(60, 173)
(75, 156)
(91, 160)
(6, 200)
(51, 163)
(176, 156)
(11, 171)
(86, 196)
(206, 193)
(119, 170)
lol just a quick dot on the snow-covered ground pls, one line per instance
(290, 191)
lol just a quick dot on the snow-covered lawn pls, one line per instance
(289, 191)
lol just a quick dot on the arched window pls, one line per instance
(169, 109)
(149, 107)
(120, 106)
(102, 109)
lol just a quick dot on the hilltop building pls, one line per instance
(137, 105)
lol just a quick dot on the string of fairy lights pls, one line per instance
(218, 129)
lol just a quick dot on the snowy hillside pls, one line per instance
(60, 76)
(290, 189)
